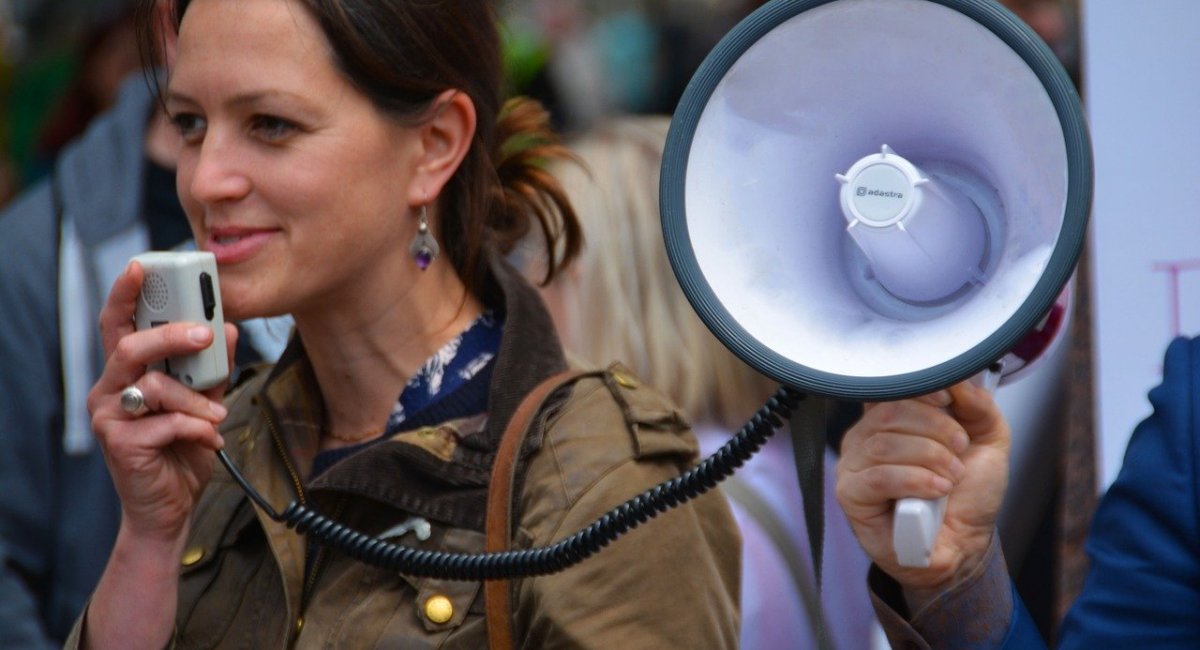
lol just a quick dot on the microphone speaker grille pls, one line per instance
(155, 292)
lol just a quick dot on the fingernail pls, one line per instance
(199, 334)
(961, 442)
(942, 484)
(218, 410)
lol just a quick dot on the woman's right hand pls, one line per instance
(160, 460)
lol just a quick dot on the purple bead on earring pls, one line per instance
(424, 247)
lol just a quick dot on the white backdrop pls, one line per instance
(1141, 78)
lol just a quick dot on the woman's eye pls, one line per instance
(190, 126)
(271, 128)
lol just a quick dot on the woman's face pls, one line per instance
(288, 174)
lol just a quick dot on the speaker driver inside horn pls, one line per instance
(937, 243)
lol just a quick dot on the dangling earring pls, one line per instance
(424, 248)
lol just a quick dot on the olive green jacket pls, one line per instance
(671, 583)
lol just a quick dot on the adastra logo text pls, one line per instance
(862, 190)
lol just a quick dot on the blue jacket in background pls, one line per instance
(1143, 584)
(1142, 588)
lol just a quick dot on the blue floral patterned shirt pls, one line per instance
(448, 369)
(453, 383)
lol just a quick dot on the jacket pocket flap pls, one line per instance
(655, 422)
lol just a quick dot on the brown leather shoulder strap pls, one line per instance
(496, 596)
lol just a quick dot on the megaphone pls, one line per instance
(876, 199)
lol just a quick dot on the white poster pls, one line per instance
(1141, 80)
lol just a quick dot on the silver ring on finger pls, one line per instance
(133, 401)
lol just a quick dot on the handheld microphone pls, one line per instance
(182, 286)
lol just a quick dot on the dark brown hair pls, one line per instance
(402, 54)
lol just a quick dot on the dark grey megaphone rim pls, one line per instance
(1062, 93)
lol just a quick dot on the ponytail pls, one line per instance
(529, 193)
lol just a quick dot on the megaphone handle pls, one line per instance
(916, 522)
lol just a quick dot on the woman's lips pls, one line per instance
(231, 246)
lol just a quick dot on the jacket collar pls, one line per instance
(409, 471)
(530, 351)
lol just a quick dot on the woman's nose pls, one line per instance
(218, 173)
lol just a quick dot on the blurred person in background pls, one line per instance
(110, 195)
(587, 60)
(620, 301)
(108, 54)
(68, 59)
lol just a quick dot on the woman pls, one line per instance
(342, 161)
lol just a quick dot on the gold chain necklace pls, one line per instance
(365, 435)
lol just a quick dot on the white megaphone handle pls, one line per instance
(916, 525)
(917, 521)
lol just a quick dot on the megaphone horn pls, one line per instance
(876, 199)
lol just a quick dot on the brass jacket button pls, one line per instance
(192, 556)
(439, 609)
(624, 379)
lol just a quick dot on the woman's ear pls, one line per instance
(445, 140)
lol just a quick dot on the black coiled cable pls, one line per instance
(547, 559)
